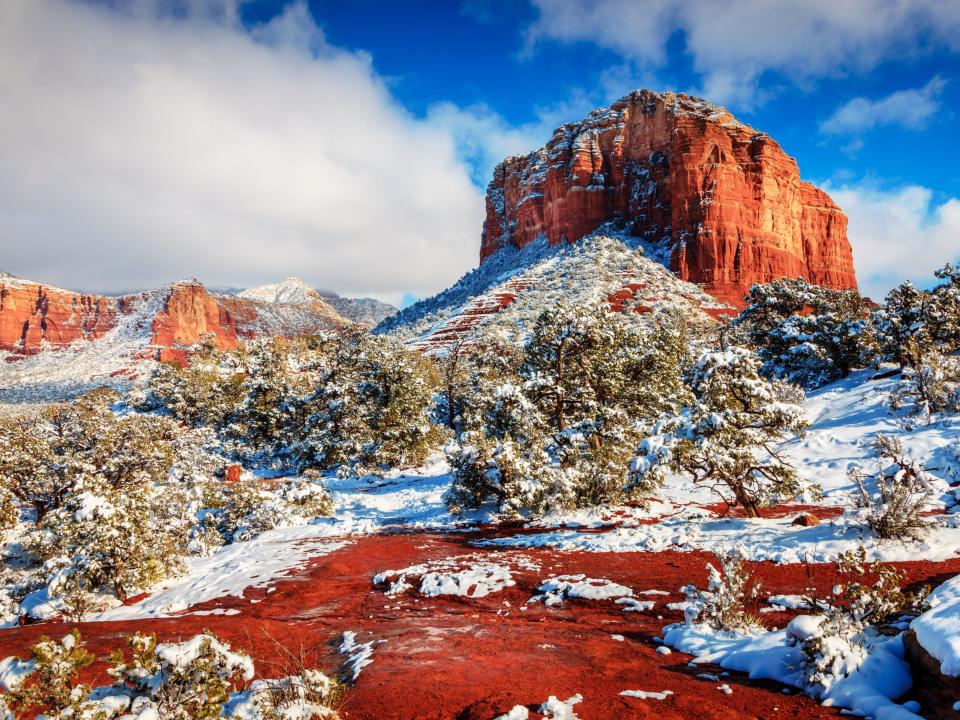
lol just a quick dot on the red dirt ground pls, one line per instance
(455, 658)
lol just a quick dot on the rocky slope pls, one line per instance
(724, 198)
(515, 285)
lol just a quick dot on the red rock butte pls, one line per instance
(34, 316)
(677, 169)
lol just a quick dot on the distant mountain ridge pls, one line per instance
(364, 311)
(36, 317)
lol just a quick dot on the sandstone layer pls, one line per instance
(34, 317)
(673, 169)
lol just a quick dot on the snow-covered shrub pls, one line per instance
(109, 539)
(920, 330)
(47, 681)
(894, 509)
(204, 393)
(805, 333)
(106, 516)
(599, 379)
(249, 507)
(198, 679)
(303, 693)
(726, 437)
(929, 387)
(837, 639)
(502, 456)
(9, 512)
(370, 405)
(553, 423)
(723, 605)
(191, 680)
(343, 399)
(453, 371)
(275, 381)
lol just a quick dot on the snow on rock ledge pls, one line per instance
(938, 629)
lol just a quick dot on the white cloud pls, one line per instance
(731, 43)
(139, 147)
(484, 138)
(897, 234)
(910, 109)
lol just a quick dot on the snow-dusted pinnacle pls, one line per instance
(293, 290)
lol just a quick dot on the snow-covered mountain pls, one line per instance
(294, 291)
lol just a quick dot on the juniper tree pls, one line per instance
(552, 423)
(370, 404)
(806, 333)
(727, 437)
(920, 330)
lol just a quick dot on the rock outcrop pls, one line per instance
(34, 317)
(673, 169)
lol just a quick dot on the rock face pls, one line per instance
(678, 170)
(32, 315)
(35, 316)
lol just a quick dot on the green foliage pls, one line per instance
(206, 393)
(370, 405)
(93, 480)
(726, 438)
(552, 425)
(805, 333)
(9, 512)
(920, 330)
(250, 508)
(724, 604)
(187, 681)
(49, 681)
(894, 509)
(867, 599)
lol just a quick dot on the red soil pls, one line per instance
(475, 658)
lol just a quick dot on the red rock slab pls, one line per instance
(474, 658)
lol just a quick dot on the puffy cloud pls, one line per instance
(731, 43)
(910, 109)
(898, 233)
(161, 141)
(484, 138)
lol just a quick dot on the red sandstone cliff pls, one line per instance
(34, 316)
(675, 168)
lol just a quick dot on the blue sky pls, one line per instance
(477, 53)
(350, 143)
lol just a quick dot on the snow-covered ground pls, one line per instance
(869, 690)
(362, 505)
(938, 629)
(844, 417)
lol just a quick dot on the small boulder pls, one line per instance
(806, 519)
